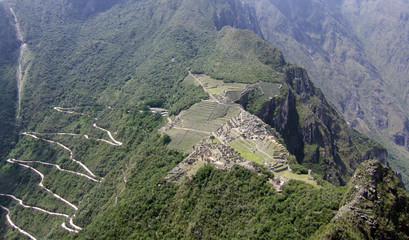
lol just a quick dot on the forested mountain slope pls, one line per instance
(91, 158)
(355, 51)
(8, 62)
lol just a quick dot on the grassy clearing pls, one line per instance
(247, 148)
(246, 153)
(242, 146)
(190, 80)
(265, 149)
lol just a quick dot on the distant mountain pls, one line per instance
(174, 119)
(355, 51)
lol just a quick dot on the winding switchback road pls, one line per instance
(70, 219)
(69, 111)
(64, 147)
(114, 142)
(15, 226)
(68, 229)
(23, 163)
(58, 168)
(66, 110)
(42, 185)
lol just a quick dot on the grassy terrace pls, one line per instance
(246, 153)
(270, 89)
(206, 116)
(197, 122)
(183, 140)
(218, 88)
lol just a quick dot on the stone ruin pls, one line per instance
(246, 124)
(277, 183)
(221, 155)
(251, 127)
(215, 153)
(206, 152)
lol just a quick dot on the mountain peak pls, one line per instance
(376, 206)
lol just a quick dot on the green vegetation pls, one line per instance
(108, 63)
(220, 204)
(9, 47)
(362, 208)
(111, 163)
(233, 47)
(255, 101)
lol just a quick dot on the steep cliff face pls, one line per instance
(312, 130)
(375, 207)
(236, 14)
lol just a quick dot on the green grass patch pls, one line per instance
(245, 153)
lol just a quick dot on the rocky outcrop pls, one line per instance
(401, 138)
(375, 207)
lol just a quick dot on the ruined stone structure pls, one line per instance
(222, 155)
